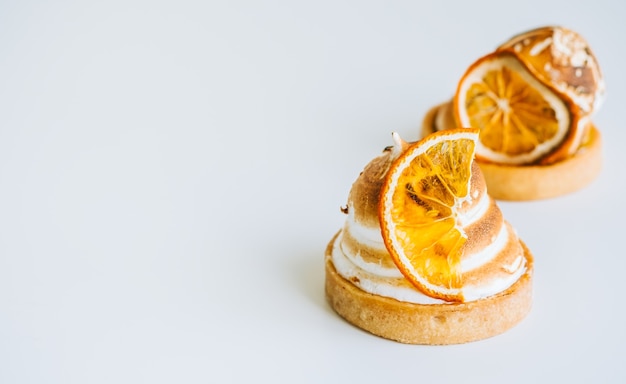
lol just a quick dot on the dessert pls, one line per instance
(532, 99)
(425, 256)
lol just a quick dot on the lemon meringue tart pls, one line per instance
(533, 99)
(425, 255)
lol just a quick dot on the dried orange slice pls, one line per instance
(521, 120)
(418, 210)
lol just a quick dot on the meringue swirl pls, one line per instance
(493, 257)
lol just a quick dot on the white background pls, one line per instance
(170, 174)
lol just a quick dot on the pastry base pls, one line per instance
(535, 182)
(432, 324)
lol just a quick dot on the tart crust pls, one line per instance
(535, 182)
(431, 324)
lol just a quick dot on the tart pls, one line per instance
(533, 99)
(425, 255)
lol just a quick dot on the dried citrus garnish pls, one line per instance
(521, 120)
(418, 210)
